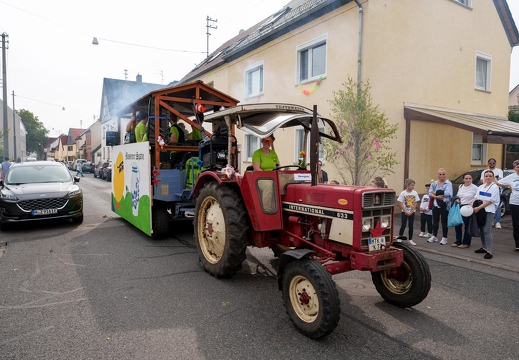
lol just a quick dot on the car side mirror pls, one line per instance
(76, 178)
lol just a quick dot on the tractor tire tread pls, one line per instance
(329, 299)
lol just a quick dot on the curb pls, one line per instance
(467, 259)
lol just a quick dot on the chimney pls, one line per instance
(138, 78)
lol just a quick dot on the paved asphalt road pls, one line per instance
(104, 290)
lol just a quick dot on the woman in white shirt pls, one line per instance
(466, 194)
(488, 193)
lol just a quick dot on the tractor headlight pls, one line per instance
(367, 224)
(385, 221)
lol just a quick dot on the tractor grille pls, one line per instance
(41, 204)
(378, 206)
(378, 199)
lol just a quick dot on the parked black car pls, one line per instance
(39, 190)
(88, 167)
(476, 176)
(107, 171)
(98, 170)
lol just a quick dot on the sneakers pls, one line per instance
(480, 251)
(412, 242)
(498, 225)
(443, 241)
(432, 239)
(488, 255)
(455, 245)
(463, 246)
(422, 234)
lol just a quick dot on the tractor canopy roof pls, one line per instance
(262, 120)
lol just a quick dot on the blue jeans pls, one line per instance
(459, 230)
(498, 214)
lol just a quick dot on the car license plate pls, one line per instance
(45, 212)
(375, 244)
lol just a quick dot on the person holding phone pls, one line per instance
(498, 175)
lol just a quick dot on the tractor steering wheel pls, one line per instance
(288, 166)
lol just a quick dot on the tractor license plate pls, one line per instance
(45, 211)
(375, 244)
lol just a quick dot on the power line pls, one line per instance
(95, 39)
(95, 42)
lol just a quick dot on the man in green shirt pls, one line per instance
(140, 130)
(176, 136)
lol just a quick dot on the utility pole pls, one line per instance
(14, 131)
(209, 26)
(4, 97)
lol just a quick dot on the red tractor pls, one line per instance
(316, 230)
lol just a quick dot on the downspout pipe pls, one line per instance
(359, 61)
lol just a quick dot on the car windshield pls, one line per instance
(37, 174)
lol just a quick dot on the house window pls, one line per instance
(70, 148)
(483, 71)
(251, 144)
(311, 59)
(300, 141)
(467, 3)
(254, 80)
(479, 150)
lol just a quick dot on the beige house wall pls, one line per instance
(418, 52)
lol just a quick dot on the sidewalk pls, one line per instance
(503, 248)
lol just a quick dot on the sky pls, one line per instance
(52, 64)
(56, 73)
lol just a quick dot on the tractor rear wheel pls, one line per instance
(310, 298)
(408, 284)
(221, 229)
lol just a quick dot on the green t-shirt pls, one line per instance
(196, 134)
(140, 132)
(266, 162)
(173, 131)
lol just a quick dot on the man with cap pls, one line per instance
(425, 214)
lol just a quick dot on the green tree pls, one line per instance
(513, 115)
(365, 131)
(36, 132)
(3, 134)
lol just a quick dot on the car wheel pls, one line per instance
(502, 206)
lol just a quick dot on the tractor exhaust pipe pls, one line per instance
(314, 147)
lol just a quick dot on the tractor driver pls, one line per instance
(265, 158)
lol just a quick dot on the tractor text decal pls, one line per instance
(319, 211)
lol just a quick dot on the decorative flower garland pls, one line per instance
(316, 85)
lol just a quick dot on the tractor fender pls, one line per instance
(209, 176)
(287, 257)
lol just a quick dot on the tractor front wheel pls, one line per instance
(221, 229)
(406, 285)
(310, 298)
